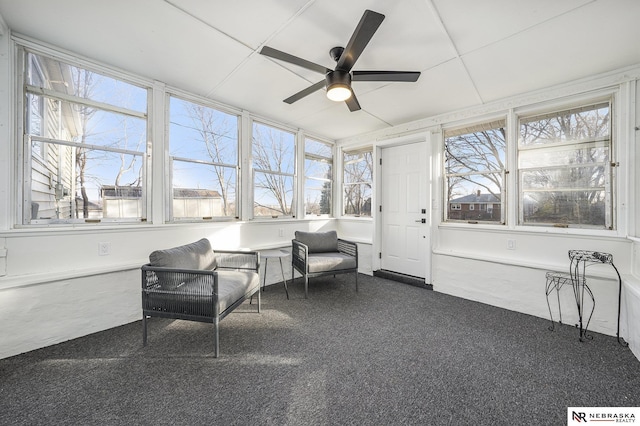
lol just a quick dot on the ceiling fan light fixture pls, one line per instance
(338, 93)
(338, 86)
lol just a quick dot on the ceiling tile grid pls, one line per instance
(469, 52)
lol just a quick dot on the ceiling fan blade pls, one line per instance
(405, 76)
(366, 28)
(353, 103)
(283, 56)
(309, 90)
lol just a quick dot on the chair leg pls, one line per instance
(216, 339)
(306, 286)
(144, 329)
(284, 279)
(258, 300)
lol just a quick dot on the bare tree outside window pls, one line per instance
(565, 171)
(318, 170)
(474, 172)
(93, 131)
(204, 156)
(358, 183)
(273, 153)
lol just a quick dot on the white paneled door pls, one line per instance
(405, 214)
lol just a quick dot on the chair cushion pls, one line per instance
(198, 255)
(319, 242)
(324, 262)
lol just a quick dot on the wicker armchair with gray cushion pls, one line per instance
(193, 282)
(322, 253)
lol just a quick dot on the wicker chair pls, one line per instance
(195, 283)
(322, 253)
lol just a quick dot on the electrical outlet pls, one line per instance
(511, 244)
(280, 232)
(104, 249)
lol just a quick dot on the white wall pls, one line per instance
(474, 262)
(57, 287)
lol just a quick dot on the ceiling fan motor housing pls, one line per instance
(338, 85)
(338, 78)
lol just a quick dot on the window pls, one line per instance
(474, 172)
(318, 177)
(273, 153)
(85, 144)
(565, 174)
(357, 182)
(203, 153)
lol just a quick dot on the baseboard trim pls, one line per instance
(403, 278)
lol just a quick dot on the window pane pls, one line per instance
(317, 197)
(102, 185)
(565, 207)
(95, 167)
(357, 199)
(565, 155)
(203, 190)
(475, 197)
(273, 194)
(357, 182)
(318, 148)
(564, 172)
(478, 151)
(474, 170)
(587, 123)
(200, 132)
(273, 149)
(358, 167)
(564, 178)
(317, 169)
(206, 186)
(72, 80)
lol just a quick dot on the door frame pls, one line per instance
(421, 137)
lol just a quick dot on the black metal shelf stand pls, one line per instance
(579, 261)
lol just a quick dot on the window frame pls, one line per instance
(314, 157)
(363, 150)
(610, 165)
(169, 195)
(491, 123)
(25, 54)
(254, 170)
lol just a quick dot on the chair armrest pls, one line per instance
(170, 280)
(348, 247)
(237, 260)
(299, 254)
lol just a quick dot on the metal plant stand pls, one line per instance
(579, 261)
(555, 281)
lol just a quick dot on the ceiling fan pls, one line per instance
(338, 81)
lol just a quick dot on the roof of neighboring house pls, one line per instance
(195, 193)
(121, 191)
(477, 198)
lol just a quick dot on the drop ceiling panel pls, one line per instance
(473, 24)
(408, 38)
(337, 120)
(166, 45)
(248, 21)
(440, 89)
(502, 48)
(559, 50)
(263, 89)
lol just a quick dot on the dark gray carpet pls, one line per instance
(390, 354)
